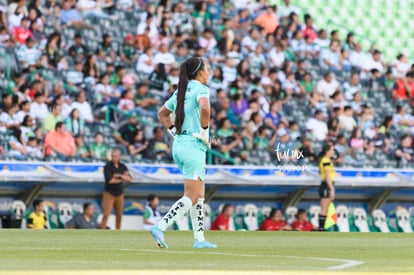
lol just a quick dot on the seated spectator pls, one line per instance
(322, 41)
(22, 33)
(403, 120)
(343, 153)
(106, 51)
(268, 20)
(6, 102)
(84, 107)
(34, 149)
(75, 77)
(126, 133)
(147, 103)
(274, 117)
(404, 152)
(37, 218)
(357, 143)
(262, 138)
(158, 78)
(346, 120)
(256, 120)
(70, 16)
(60, 143)
(307, 150)
(151, 214)
(328, 85)
(28, 55)
(145, 63)
(93, 9)
(163, 56)
(105, 94)
(61, 100)
(82, 150)
(351, 87)
(257, 60)
(53, 18)
(9, 119)
(376, 82)
(225, 129)
(330, 58)
(17, 146)
(85, 220)
(404, 88)
(52, 118)
(128, 51)
(222, 221)
(400, 66)
(78, 50)
(158, 148)
(231, 146)
(140, 144)
(27, 128)
(15, 84)
(317, 126)
(275, 222)
(98, 149)
(239, 104)
(148, 22)
(74, 124)
(375, 62)
(302, 223)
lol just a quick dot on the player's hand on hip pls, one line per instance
(172, 131)
(203, 136)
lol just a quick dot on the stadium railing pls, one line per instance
(290, 185)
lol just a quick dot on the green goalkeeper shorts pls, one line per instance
(190, 156)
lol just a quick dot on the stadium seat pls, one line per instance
(343, 218)
(360, 219)
(250, 213)
(403, 220)
(18, 211)
(380, 221)
(207, 216)
(65, 213)
(290, 214)
(314, 212)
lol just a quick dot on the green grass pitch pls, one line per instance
(83, 252)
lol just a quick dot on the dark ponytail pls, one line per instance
(188, 71)
(325, 149)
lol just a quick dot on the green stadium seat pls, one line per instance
(360, 219)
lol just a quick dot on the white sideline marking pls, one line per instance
(345, 263)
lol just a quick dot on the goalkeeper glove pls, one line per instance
(203, 136)
(172, 131)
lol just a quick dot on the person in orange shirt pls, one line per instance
(275, 222)
(302, 223)
(222, 221)
(404, 87)
(59, 143)
(268, 20)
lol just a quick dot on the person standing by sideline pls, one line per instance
(191, 105)
(151, 214)
(327, 187)
(116, 174)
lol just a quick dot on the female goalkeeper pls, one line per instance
(190, 130)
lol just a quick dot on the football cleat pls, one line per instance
(158, 235)
(204, 244)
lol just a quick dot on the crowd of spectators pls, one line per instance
(268, 62)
